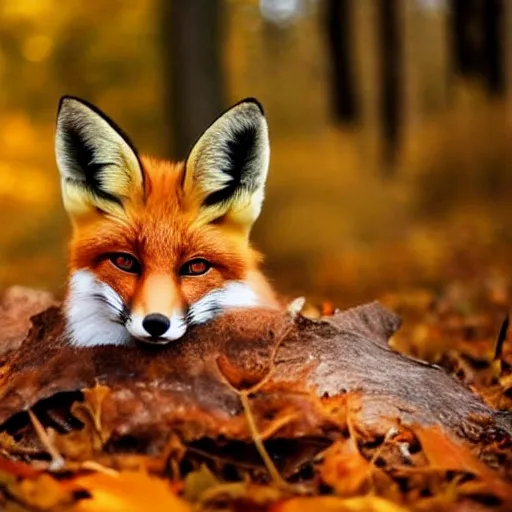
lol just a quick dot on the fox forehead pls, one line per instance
(161, 230)
(162, 189)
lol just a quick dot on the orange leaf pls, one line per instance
(127, 492)
(333, 504)
(345, 469)
(16, 468)
(42, 493)
(444, 453)
(91, 406)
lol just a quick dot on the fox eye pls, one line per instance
(125, 262)
(195, 267)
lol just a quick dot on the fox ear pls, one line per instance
(226, 170)
(98, 165)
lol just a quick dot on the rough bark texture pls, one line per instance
(192, 387)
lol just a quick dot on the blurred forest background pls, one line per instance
(390, 127)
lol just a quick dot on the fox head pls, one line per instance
(159, 246)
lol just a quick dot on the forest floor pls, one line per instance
(454, 316)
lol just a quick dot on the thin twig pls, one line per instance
(269, 463)
(278, 424)
(57, 462)
(251, 423)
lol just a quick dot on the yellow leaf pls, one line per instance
(197, 482)
(127, 492)
(43, 492)
(93, 398)
(333, 504)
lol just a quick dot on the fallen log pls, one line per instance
(287, 366)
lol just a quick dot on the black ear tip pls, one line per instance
(67, 100)
(254, 101)
(75, 99)
(62, 101)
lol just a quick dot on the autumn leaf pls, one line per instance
(17, 469)
(197, 482)
(127, 492)
(258, 496)
(444, 453)
(43, 493)
(91, 406)
(345, 469)
(333, 504)
(88, 441)
(506, 384)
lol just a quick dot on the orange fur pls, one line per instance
(162, 233)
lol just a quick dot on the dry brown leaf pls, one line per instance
(87, 442)
(506, 384)
(93, 399)
(9, 445)
(495, 396)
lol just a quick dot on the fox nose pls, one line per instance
(156, 324)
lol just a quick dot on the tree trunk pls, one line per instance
(390, 79)
(191, 35)
(493, 60)
(478, 39)
(338, 22)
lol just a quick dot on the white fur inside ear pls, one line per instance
(98, 167)
(227, 169)
(93, 313)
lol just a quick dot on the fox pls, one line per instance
(158, 247)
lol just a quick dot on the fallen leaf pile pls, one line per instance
(263, 410)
